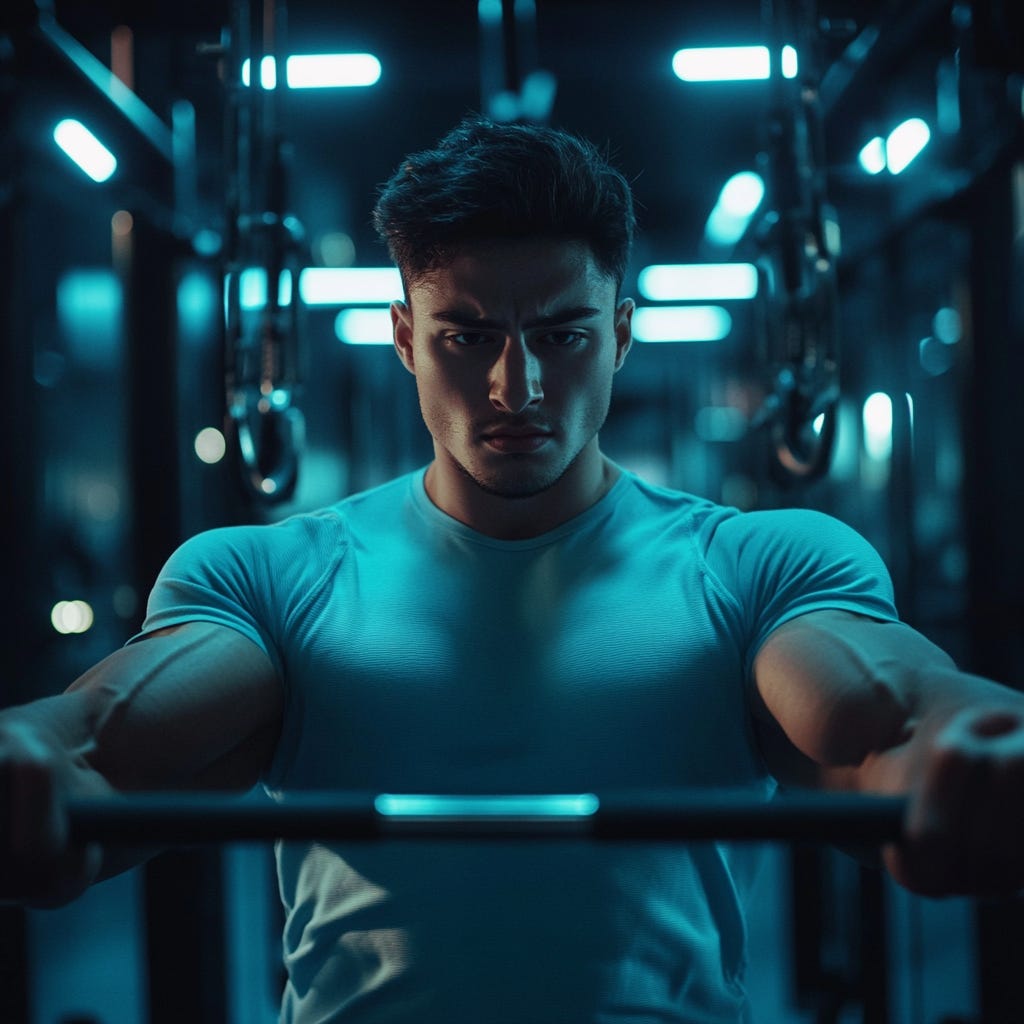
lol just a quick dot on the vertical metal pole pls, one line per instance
(994, 497)
(182, 891)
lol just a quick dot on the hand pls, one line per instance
(38, 864)
(965, 818)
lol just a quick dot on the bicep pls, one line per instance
(197, 705)
(832, 687)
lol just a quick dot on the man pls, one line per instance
(523, 616)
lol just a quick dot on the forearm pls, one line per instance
(854, 700)
(44, 748)
(933, 699)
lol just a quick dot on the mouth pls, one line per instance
(516, 439)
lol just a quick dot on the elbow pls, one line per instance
(871, 719)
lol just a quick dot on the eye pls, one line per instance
(563, 338)
(467, 339)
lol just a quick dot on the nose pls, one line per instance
(515, 382)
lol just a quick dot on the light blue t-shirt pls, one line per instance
(419, 656)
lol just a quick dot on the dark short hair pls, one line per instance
(486, 179)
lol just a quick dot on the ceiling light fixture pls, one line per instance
(320, 71)
(88, 153)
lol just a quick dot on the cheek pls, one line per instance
(444, 399)
(593, 386)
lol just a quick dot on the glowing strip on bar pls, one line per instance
(681, 323)
(340, 286)
(85, 149)
(668, 282)
(573, 805)
(320, 71)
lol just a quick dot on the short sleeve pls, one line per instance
(780, 564)
(254, 579)
(214, 577)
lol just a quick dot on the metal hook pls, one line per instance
(262, 371)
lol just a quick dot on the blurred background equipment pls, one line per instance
(263, 255)
(196, 334)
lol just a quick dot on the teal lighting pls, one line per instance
(333, 70)
(790, 62)
(197, 306)
(489, 11)
(722, 423)
(90, 312)
(666, 282)
(364, 326)
(905, 143)
(722, 64)
(252, 288)
(340, 286)
(571, 805)
(872, 156)
(877, 416)
(85, 149)
(737, 203)
(681, 323)
(898, 151)
(320, 71)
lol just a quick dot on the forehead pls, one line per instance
(515, 277)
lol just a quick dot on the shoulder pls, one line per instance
(227, 548)
(304, 544)
(665, 506)
(803, 540)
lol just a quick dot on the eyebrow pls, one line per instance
(467, 318)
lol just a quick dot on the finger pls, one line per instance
(995, 845)
(35, 822)
(931, 859)
(39, 866)
(995, 840)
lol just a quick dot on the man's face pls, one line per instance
(514, 345)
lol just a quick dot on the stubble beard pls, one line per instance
(525, 486)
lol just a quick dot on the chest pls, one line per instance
(554, 670)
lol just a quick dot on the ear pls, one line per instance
(623, 330)
(401, 332)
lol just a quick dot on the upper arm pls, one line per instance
(832, 687)
(192, 706)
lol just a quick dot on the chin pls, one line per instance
(526, 483)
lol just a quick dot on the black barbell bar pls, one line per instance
(674, 816)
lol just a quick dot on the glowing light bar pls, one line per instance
(722, 64)
(790, 62)
(702, 281)
(572, 805)
(339, 286)
(320, 71)
(681, 323)
(333, 70)
(877, 416)
(739, 199)
(905, 143)
(252, 288)
(872, 156)
(85, 149)
(370, 326)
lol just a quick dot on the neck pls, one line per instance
(582, 485)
